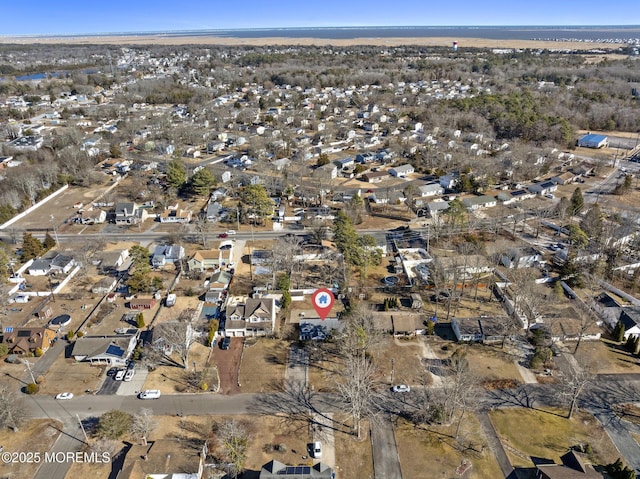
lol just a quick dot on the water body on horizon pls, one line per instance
(580, 33)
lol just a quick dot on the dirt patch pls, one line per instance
(440, 454)
(550, 434)
(263, 365)
(36, 436)
(228, 364)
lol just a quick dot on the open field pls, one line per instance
(35, 436)
(392, 41)
(440, 454)
(354, 457)
(489, 363)
(549, 435)
(263, 365)
(403, 356)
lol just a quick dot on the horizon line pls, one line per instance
(335, 27)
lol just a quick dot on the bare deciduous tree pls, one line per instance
(234, 439)
(12, 412)
(356, 383)
(143, 424)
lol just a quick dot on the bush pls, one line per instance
(80, 334)
(70, 336)
(114, 424)
(4, 349)
(38, 352)
(204, 386)
(32, 388)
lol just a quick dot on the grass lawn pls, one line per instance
(440, 454)
(549, 434)
(171, 379)
(33, 436)
(405, 356)
(263, 365)
(354, 458)
(490, 363)
(67, 375)
(608, 356)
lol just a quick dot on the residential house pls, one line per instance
(91, 216)
(251, 317)
(164, 459)
(220, 280)
(572, 467)
(583, 169)
(27, 143)
(111, 260)
(511, 197)
(277, 470)
(204, 260)
(172, 214)
(474, 203)
(167, 254)
(329, 171)
(316, 329)
(543, 188)
(345, 163)
(436, 207)
(449, 181)
(430, 189)
(522, 258)
(630, 319)
(25, 341)
(110, 350)
(407, 324)
(214, 211)
(39, 267)
(402, 171)
(464, 266)
(104, 286)
(129, 213)
(482, 329)
(565, 178)
(375, 176)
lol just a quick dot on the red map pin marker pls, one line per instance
(322, 301)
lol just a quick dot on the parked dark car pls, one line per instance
(226, 342)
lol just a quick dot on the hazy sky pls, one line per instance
(88, 16)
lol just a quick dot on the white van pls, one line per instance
(150, 394)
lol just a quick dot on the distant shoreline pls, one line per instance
(164, 39)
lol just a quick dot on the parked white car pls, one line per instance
(63, 396)
(119, 375)
(317, 450)
(129, 374)
(401, 388)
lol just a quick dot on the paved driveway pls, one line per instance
(386, 463)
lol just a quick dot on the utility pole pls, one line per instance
(82, 427)
(26, 362)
